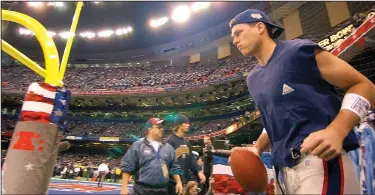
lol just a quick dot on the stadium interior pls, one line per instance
(131, 61)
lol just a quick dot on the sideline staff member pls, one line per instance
(103, 171)
(151, 162)
(183, 151)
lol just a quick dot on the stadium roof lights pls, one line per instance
(24, 31)
(105, 33)
(41, 4)
(35, 4)
(85, 34)
(197, 6)
(56, 4)
(66, 34)
(158, 22)
(181, 14)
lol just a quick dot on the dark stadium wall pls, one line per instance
(195, 58)
(6, 59)
(282, 10)
(292, 25)
(213, 44)
(314, 19)
(235, 53)
(209, 56)
(223, 51)
(337, 12)
(180, 60)
(282, 36)
(365, 61)
(360, 6)
(184, 56)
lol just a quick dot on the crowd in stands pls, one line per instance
(128, 130)
(18, 77)
(7, 124)
(79, 128)
(75, 166)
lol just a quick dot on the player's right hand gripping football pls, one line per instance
(251, 149)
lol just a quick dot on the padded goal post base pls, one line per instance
(32, 152)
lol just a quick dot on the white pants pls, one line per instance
(314, 175)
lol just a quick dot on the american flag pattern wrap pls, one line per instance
(45, 104)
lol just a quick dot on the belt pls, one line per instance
(297, 156)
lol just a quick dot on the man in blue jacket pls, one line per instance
(151, 162)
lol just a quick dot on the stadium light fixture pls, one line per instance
(35, 4)
(28, 32)
(51, 33)
(153, 23)
(59, 4)
(181, 14)
(197, 6)
(122, 31)
(56, 4)
(87, 34)
(119, 32)
(105, 33)
(24, 31)
(158, 22)
(65, 34)
(130, 29)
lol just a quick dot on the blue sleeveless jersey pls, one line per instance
(293, 99)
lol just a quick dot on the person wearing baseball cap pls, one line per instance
(183, 151)
(309, 127)
(151, 162)
(152, 122)
(252, 16)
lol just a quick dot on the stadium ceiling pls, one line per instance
(115, 15)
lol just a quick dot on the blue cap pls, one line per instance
(180, 119)
(254, 15)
